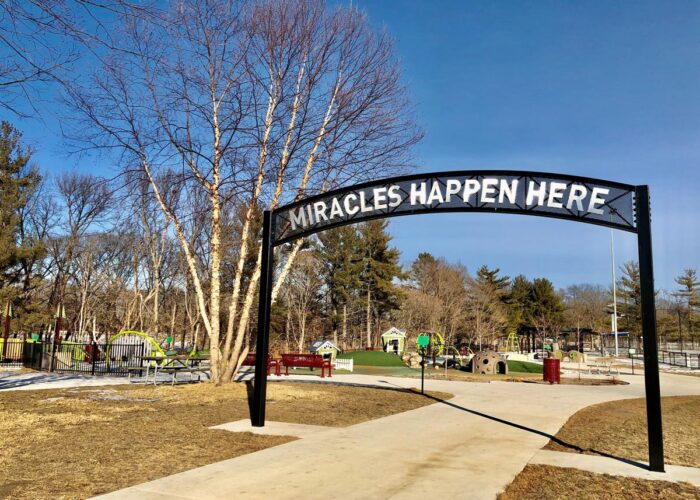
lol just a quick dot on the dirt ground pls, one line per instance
(544, 482)
(76, 443)
(618, 428)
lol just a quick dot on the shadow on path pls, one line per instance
(13, 381)
(535, 431)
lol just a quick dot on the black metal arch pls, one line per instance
(600, 202)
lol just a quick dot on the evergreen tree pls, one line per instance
(341, 264)
(380, 265)
(547, 308)
(689, 292)
(18, 180)
(490, 276)
(630, 291)
(520, 303)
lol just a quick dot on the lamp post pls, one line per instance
(614, 284)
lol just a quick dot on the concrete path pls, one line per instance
(16, 380)
(605, 465)
(471, 446)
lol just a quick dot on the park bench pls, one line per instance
(600, 364)
(250, 361)
(299, 360)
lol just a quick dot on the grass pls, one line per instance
(619, 428)
(373, 358)
(524, 367)
(76, 443)
(544, 482)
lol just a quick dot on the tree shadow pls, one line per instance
(535, 431)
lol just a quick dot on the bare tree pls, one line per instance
(248, 105)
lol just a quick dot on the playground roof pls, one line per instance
(323, 344)
(395, 332)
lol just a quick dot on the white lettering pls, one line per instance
(453, 187)
(298, 219)
(364, 207)
(533, 191)
(488, 189)
(336, 209)
(556, 192)
(380, 198)
(596, 200)
(394, 196)
(417, 197)
(509, 191)
(471, 187)
(435, 194)
(576, 195)
(348, 209)
(320, 211)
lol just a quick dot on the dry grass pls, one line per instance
(619, 428)
(544, 482)
(75, 443)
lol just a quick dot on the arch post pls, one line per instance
(263, 336)
(651, 357)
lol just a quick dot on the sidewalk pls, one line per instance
(471, 446)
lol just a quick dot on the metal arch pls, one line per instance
(638, 222)
(623, 221)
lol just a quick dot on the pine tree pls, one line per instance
(18, 180)
(629, 289)
(520, 303)
(689, 292)
(547, 313)
(341, 263)
(380, 265)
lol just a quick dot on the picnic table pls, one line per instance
(172, 364)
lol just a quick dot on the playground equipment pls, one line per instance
(512, 344)
(489, 362)
(127, 337)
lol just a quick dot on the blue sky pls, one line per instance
(601, 89)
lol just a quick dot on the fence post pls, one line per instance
(93, 355)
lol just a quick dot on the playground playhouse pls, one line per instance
(326, 348)
(394, 341)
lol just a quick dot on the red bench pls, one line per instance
(306, 361)
(250, 361)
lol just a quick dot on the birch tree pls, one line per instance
(247, 106)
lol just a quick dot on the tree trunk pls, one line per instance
(369, 318)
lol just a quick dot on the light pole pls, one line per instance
(612, 268)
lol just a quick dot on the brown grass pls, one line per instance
(544, 482)
(619, 428)
(76, 443)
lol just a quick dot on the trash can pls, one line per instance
(551, 370)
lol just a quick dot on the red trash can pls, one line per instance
(551, 370)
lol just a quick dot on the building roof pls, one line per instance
(323, 344)
(394, 332)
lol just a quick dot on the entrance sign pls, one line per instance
(580, 199)
(548, 195)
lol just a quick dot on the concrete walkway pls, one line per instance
(17, 380)
(471, 446)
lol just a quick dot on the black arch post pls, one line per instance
(651, 356)
(263, 337)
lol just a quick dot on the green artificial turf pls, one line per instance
(524, 367)
(373, 358)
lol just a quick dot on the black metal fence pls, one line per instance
(88, 358)
(92, 358)
(681, 359)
